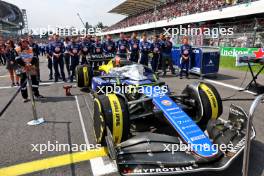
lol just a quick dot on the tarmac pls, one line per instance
(68, 120)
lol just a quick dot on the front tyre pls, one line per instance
(111, 111)
(208, 103)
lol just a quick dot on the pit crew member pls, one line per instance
(86, 46)
(122, 47)
(156, 50)
(166, 56)
(74, 50)
(109, 45)
(57, 50)
(145, 48)
(134, 48)
(186, 51)
(28, 62)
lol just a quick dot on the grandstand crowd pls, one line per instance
(173, 9)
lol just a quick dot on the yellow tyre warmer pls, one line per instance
(212, 104)
(115, 115)
(82, 76)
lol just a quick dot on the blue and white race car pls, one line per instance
(149, 130)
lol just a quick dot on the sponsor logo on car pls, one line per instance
(166, 102)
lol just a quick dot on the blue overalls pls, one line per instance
(109, 47)
(74, 49)
(145, 48)
(57, 47)
(122, 46)
(86, 47)
(134, 49)
(186, 51)
(156, 50)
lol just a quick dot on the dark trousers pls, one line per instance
(50, 68)
(67, 58)
(184, 65)
(134, 57)
(74, 64)
(167, 59)
(144, 59)
(155, 61)
(38, 69)
(84, 60)
(2, 59)
(59, 62)
(35, 85)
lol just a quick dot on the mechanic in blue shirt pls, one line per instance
(134, 48)
(166, 55)
(109, 45)
(57, 50)
(97, 50)
(97, 46)
(86, 46)
(186, 51)
(156, 50)
(145, 48)
(74, 50)
(122, 46)
(49, 57)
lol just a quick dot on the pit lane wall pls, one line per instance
(251, 8)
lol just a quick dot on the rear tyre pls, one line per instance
(111, 111)
(82, 76)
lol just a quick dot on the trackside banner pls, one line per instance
(235, 53)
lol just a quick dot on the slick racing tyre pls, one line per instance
(208, 104)
(111, 111)
(82, 76)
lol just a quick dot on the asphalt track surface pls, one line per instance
(69, 121)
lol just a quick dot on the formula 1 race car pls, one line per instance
(149, 130)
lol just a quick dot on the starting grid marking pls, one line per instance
(230, 86)
(100, 163)
(52, 162)
(99, 166)
(41, 84)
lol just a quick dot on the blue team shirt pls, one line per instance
(145, 47)
(186, 50)
(86, 47)
(122, 46)
(57, 47)
(97, 48)
(109, 47)
(156, 47)
(134, 45)
(166, 47)
(74, 48)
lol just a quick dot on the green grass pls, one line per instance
(230, 63)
